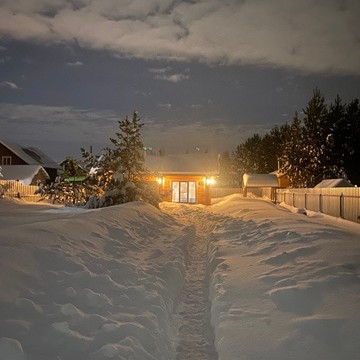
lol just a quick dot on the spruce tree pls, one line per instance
(352, 151)
(316, 130)
(128, 155)
(293, 161)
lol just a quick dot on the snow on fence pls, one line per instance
(338, 202)
(13, 188)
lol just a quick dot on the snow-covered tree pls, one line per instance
(118, 175)
(324, 144)
(293, 161)
(129, 148)
(352, 139)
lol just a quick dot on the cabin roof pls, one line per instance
(331, 183)
(260, 180)
(31, 155)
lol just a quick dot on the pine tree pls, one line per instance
(337, 141)
(352, 150)
(119, 173)
(129, 148)
(293, 162)
(315, 132)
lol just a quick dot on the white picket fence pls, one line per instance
(12, 188)
(338, 202)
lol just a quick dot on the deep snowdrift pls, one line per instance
(94, 284)
(105, 283)
(286, 286)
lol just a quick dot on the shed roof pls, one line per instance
(31, 155)
(194, 163)
(331, 183)
(23, 173)
(260, 180)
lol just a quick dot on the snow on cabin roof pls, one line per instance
(331, 183)
(31, 155)
(23, 173)
(260, 180)
(194, 163)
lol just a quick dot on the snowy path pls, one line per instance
(196, 338)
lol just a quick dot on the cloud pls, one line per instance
(160, 70)
(313, 36)
(173, 77)
(196, 106)
(56, 122)
(64, 130)
(165, 74)
(75, 63)
(9, 85)
(165, 106)
(207, 137)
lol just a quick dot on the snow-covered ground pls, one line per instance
(241, 279)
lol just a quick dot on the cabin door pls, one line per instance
(184, 191)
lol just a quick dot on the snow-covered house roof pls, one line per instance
(260, 180)
(193, 163)
(23, 173)
(331, 183)
(31, 155)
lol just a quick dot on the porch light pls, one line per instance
(210, 181)
(159, 180)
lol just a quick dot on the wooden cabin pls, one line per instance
(184, 178)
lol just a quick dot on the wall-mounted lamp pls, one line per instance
(160, 180)
(210, 181)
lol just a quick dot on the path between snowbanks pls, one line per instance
(196, 337)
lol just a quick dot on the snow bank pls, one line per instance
(104, 283)
(89, 284)
(284, 286)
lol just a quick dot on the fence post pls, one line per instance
(305, 200)
(293, 199)
(320, 203)
(342, 205)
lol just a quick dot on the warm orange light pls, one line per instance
(159, 180)
(210, 181)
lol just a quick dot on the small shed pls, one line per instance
(184, 178)
(260, 185)
(25, 174)
(334, 183)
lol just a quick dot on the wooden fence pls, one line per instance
(12, 188)
(217, 192)
(338, 202)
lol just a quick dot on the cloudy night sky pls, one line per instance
(202, 74)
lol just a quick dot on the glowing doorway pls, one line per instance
(184, 191)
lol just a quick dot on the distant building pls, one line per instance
(25, 174)
(14, 154)
(333, 183)
(184, 178)
(260, 185)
